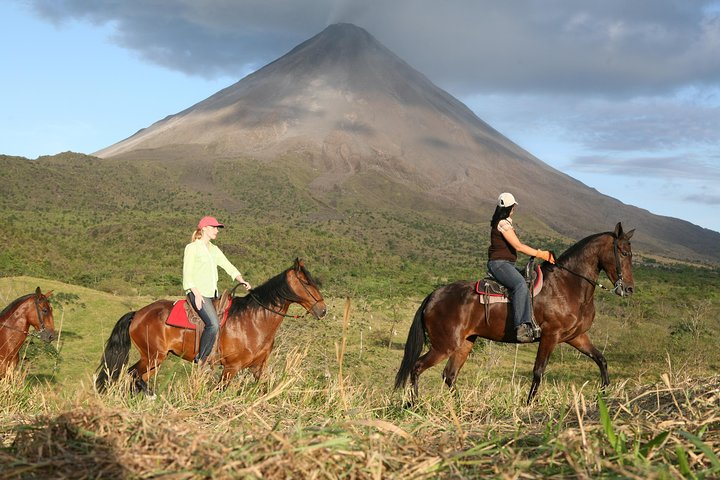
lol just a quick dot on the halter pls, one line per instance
(619, 283)
(618, 286)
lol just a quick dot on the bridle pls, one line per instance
(43, 333)
(618, 286)
(619, 283)
(305, 286)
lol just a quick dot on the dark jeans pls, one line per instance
(506, 273)
(209, 317)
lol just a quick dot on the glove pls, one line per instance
(545, 255)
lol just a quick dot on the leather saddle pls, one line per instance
(490, 290)
(183, 315)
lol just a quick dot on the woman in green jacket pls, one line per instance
(200, 277)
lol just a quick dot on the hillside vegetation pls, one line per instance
(121, 226)
(107, 238)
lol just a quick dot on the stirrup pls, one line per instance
(535, 328)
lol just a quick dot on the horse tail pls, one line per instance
(413, 345)
(116, 354)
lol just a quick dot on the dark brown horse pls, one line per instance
(453, 317)
(244, 342)
(15, 321)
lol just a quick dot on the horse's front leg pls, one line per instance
(547, 345)
(583, 344)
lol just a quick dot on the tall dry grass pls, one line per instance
(296, 424)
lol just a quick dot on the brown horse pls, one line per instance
(245, 341)
(15, 321)
(453, 317)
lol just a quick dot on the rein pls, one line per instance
(276, 312)
(272, 310)
(591, 282)
(32, 334)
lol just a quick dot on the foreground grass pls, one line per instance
(291, 426)
(326, 409)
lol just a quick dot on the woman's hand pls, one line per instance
(244, 283)
(545, 255)
(198, 301)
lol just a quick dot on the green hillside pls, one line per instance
(120, 226)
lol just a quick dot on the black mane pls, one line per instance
(273, 293)
(576, 249)
(14, 304)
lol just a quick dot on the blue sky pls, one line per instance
(623, 96)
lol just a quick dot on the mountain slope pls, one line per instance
(358, 115)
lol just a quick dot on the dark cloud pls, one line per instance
(611, 47)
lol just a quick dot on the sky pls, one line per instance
(621, 95)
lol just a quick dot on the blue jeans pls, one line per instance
(209, 317)
(506, 273)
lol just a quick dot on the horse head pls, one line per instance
(306, 288)
(43, 320)
(617, 262)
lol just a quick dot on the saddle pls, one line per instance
(489, 290)
(183, 315)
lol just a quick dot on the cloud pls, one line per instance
(612, 47)
(667, 167)
(707, 199)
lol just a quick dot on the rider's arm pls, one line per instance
(513, 240)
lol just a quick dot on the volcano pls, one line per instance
(350, 109)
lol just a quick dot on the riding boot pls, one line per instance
(524, 333)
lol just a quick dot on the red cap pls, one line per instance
(209, 222)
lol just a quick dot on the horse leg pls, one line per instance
(432, 357)
(455, 362)
(144, 370)
(228, 373)
(547, 345)
(584, 345)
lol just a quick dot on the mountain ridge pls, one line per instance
(349, 108)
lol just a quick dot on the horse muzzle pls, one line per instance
(319, 310)
(622, 289)
(48, 335)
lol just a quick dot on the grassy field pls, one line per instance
(326, 408)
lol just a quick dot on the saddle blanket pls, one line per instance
(178, 316)
(488, 292)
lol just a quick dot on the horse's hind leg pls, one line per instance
(456, 361)
(143, 370)
(433, 357)
(584, 345)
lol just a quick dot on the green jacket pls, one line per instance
(200, 267)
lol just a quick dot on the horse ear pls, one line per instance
(618, 230)
(47, 295)
(38, 292)
(299, 263)
(629, 234)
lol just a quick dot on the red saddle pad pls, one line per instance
(178, 317)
